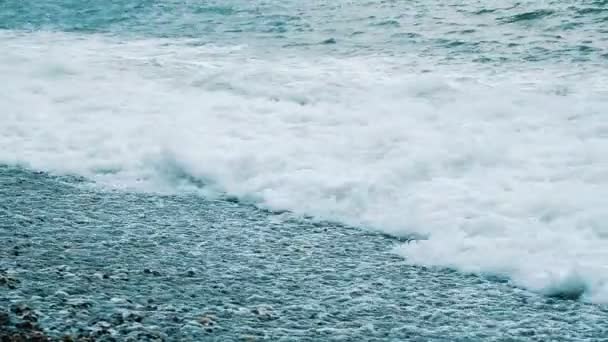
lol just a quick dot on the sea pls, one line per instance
(281, 170)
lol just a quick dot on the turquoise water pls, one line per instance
(467, 31)
(345, 170)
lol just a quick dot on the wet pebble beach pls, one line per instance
(79, 262)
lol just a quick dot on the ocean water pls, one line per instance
(326, 169)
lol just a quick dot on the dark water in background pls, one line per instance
(261, 164)
(480, 31)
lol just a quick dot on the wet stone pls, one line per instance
(133, 317)
(26, 325)
(207, 320)
(5, 319)
(264, 313)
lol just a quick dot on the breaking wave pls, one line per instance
(504, 172)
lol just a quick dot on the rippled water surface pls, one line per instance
(469, 31)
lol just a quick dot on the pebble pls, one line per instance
(207, 320)
(117, 318)
(133, 316)
(61, 294)
(117, 300)
(26, 325)
(5, 319)
(9, 281)
(30, 317)
(153, 272)
(264, 313)
(103, 325)
(79, 303)
(20, 309)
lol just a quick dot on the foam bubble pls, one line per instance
(503, 171)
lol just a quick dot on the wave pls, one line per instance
(503, 170)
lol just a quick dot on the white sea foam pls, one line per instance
(504, 172)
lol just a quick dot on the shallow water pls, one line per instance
(88, 256)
